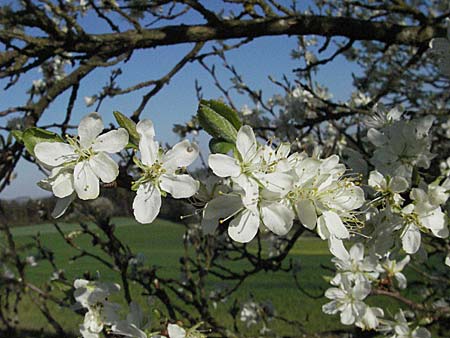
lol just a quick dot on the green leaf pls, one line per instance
(224, 110)
(215, 124)
(32, 136)
(18, 134)
(220, 146)
(129, 125)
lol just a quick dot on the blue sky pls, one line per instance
(177, 102)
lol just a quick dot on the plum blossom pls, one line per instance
(400, 328)
(393, 269)
(391, 187)
(133, 325)
(246, 219)
(322, 196)
(161, 173)
(79, 165)
(348, 300)
(93, 297)
(253, 166)
(352, 264)
(424, 213)
(401, 146)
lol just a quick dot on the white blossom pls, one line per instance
(401, 146)
(393, 269)
(160, 173)
(93, 296)
(79, 164)
(348, 300)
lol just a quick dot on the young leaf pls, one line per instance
(32, 136)
(129, 125)
(220, 146)
(224, 110)
(215, 124)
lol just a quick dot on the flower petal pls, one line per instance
(306, 213)
(147, 203)
(147, 145)
(251, 189)
(179, 186)
(357, 252)
(398, 184)
(112, 142)
(334, 225)
(89, 128)
(246, 143)
(61, 205)
(175, 331)
(338, 249)
(244, 227)
(85, 181)
(219, 208)
(277, 182)
(277, 217)
(181, 155)
(62, 186)
(223, 165)
(104, 167)
(54, 153)
(411, 239)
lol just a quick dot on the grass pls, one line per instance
(161, 243)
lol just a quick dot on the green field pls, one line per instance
(161, 243)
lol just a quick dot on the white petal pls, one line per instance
(179, 186)
(244, 227)
(251, 189)
(147, 203)
(357, 252)
(306, 213)
(62, 186)
(330, 308)
(401, 265)
(398, 184)
(338, 249)
(277, 182)
(277, 217)
(175, 331)
(104, 167)
(377, 180)
(223, 165)
(335, 225)
(89, 128)
(112, 142)
(411, 239)
(219, 208)
(85, 181)
(401, 280)
(347, 316)
(61, 205)
(181, 155)
(246, 143)
(124, 328)
(147, 145)
(322, 229)
(54, 153)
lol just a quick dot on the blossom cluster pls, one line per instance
(269, 187)
(103, 316)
